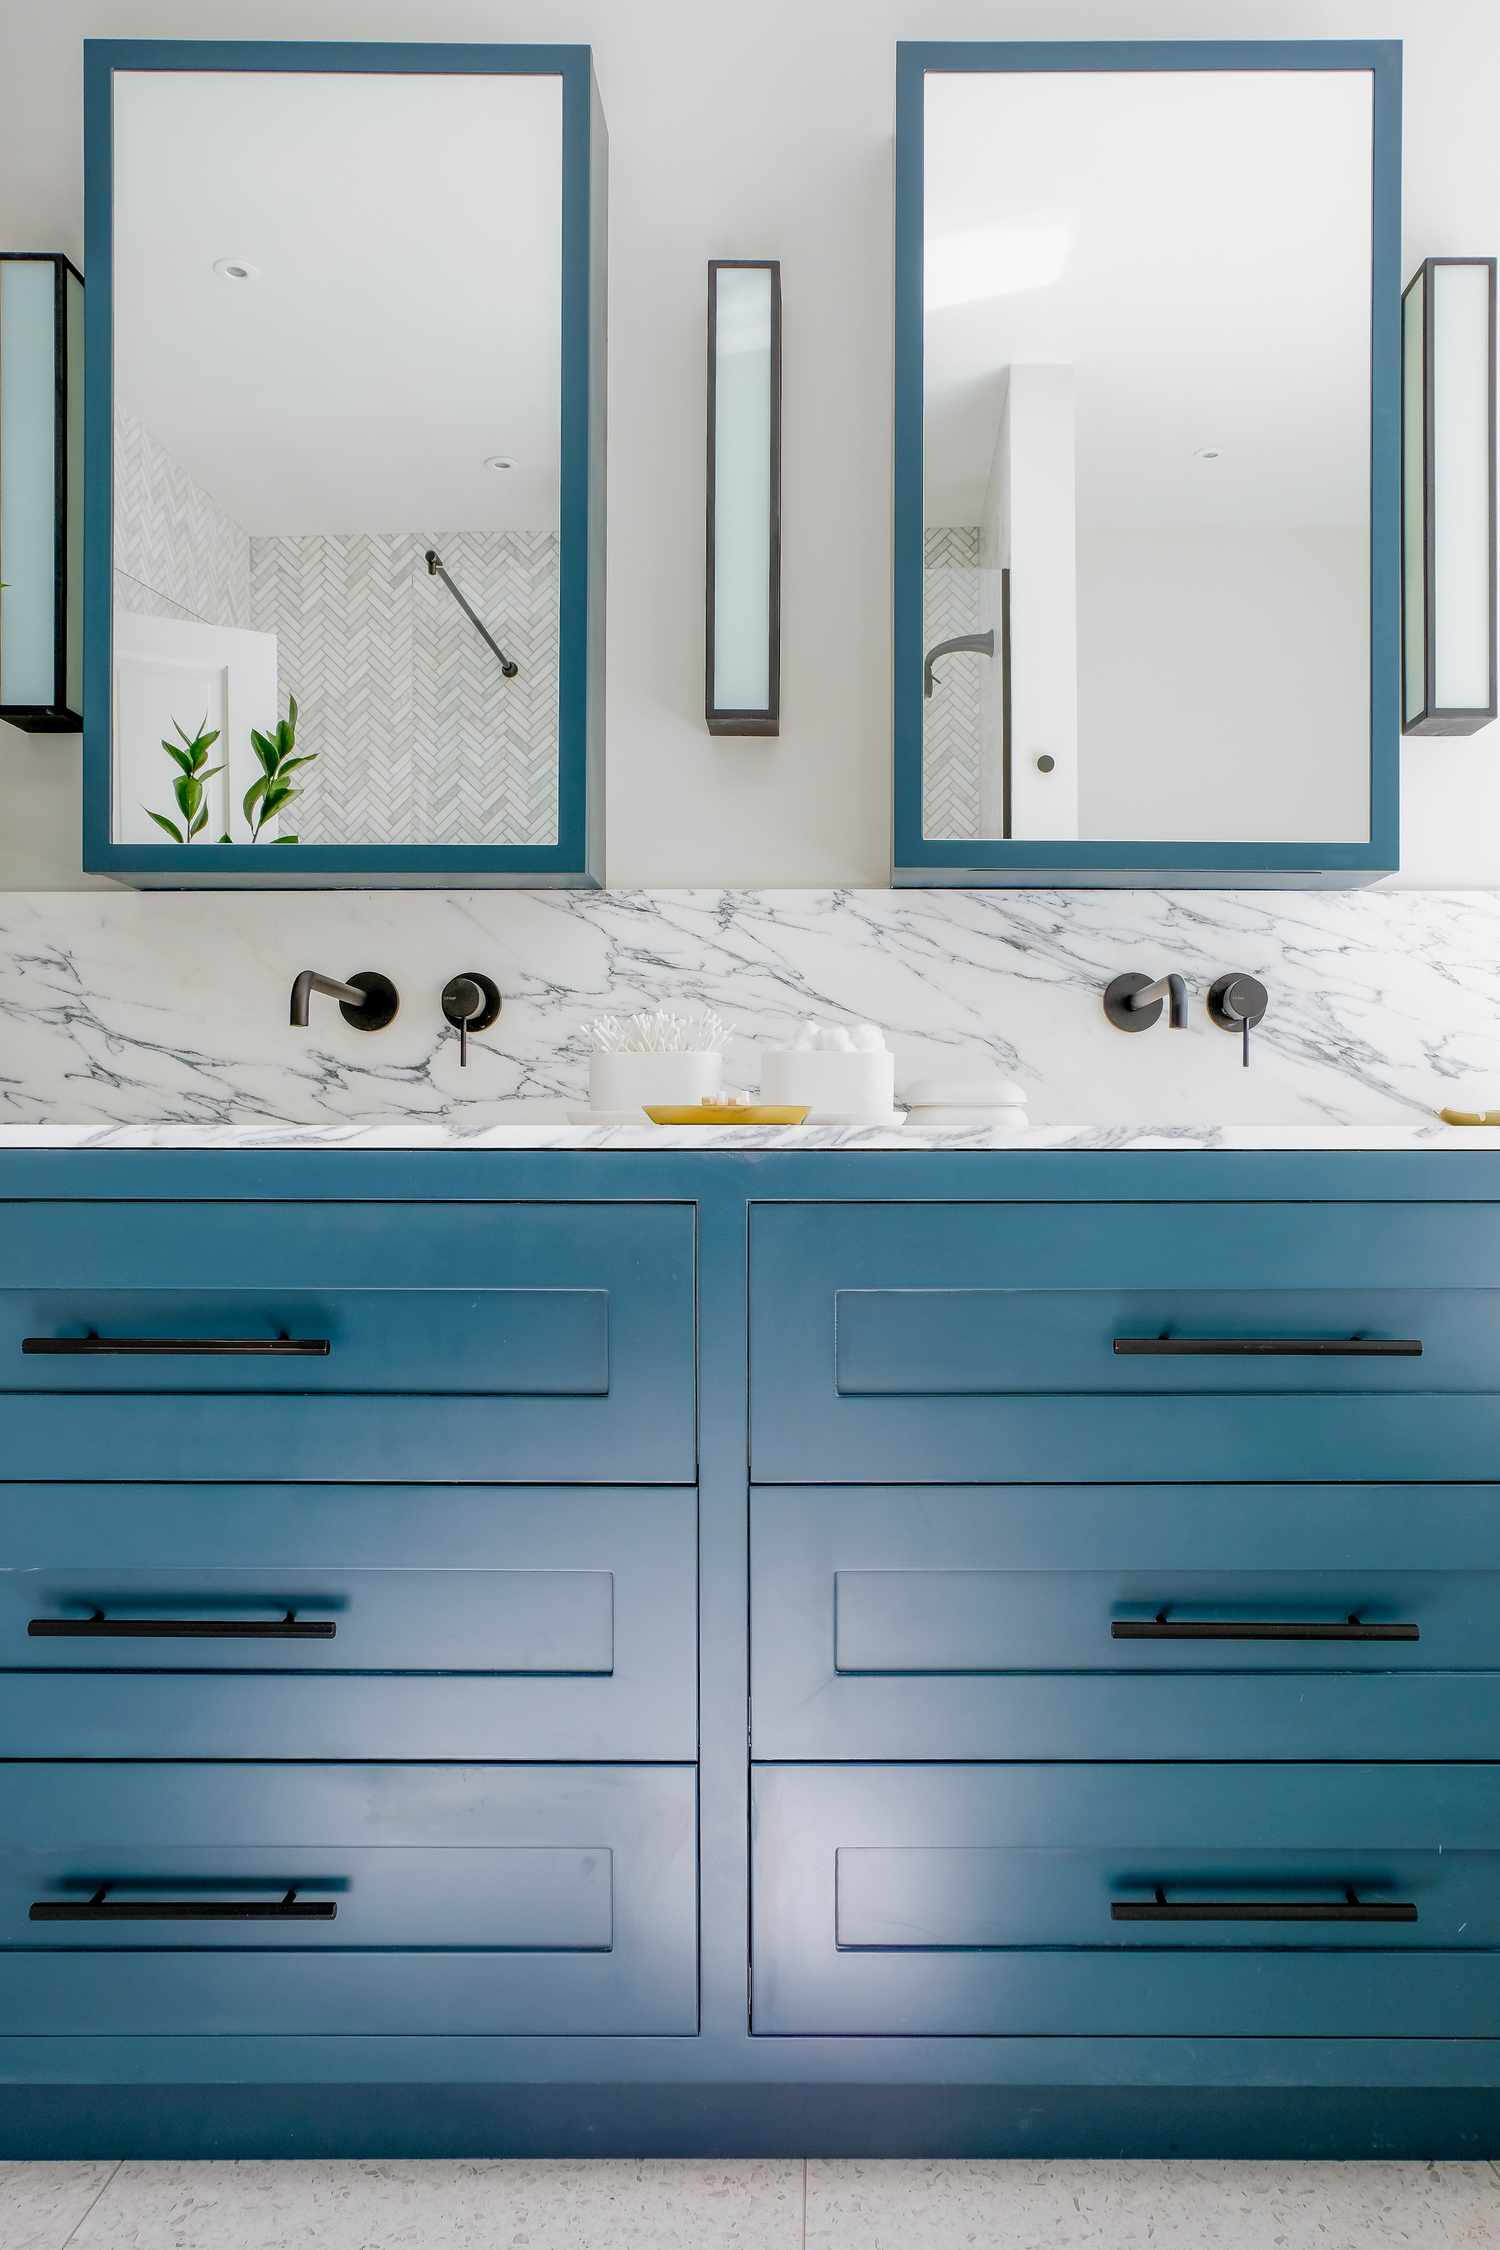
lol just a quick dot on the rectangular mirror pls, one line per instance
(353, 366)
(1147, 450)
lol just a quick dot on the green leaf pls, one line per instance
(183, 758)
(199, 824)
(290, 765)
(291, 712)
(162, 822)
(279, 794)
(286, 839)
(212, 770)
(188, 790)
(226, 838)
(265, 750)
(253, 795)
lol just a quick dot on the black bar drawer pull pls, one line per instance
(1164, 1628)
(177, 1347)
(1268, 1347)
(102, 1628)
(1351, 1908)
(102, 1908)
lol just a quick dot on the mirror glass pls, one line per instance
(1146, 426)
(337, 347)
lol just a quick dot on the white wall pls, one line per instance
(1259, 634)
(761, 128)
(1039, 435)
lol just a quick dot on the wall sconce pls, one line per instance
(41, 492)
(743, 608)
(1448, 497)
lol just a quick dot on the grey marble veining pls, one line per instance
(138, 1008)
(540, 1131)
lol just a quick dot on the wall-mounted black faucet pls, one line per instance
(368, 1001)
(471, 1002)
(1134, 1003)
(1237, 1003)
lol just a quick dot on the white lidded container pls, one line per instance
(976, 1099)
(850, 1088)
(630, 1082)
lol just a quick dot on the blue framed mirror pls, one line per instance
(345, 540)
(1147, 453)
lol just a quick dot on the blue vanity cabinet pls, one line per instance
(292, 1341)
(721, 1653)
(356, 1621)
(1086, 1343)
(1276, 1901)
(1164, 1621)
(464, 1899)
(348, 1608)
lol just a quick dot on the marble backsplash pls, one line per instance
(144, 1006)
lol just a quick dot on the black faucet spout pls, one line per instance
(309, 981)
(1134, 1003)
(368, 1001)
(1169, 988)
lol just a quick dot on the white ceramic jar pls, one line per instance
(629, 1082)
(853, 1089)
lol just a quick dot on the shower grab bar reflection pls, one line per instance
(434, 562)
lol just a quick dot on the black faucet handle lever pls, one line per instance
(471, 1002)
(1238, 1002)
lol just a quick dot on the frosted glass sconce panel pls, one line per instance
(743, 610)
(1448, 497)
(41, 493)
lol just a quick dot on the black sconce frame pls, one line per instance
(62, 712)
(767, 720)
(1421, 713)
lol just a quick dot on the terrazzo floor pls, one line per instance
(785, 2205)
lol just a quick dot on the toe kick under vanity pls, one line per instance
(624, 1649)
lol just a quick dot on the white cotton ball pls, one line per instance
(806, 1039)
(868, 1039)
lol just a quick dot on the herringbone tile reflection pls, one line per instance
(182, 555)
(420, 739)
(951, 736)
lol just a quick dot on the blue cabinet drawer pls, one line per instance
(351, 1621)
(479, 1342)
(1074, 1343)
(1123, 1901)
(460, 1899)
(1126, 1621)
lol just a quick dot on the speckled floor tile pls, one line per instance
(1127, 2206)
(597, 2205)
(41, 2204)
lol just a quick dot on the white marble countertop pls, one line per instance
(542, 1132)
